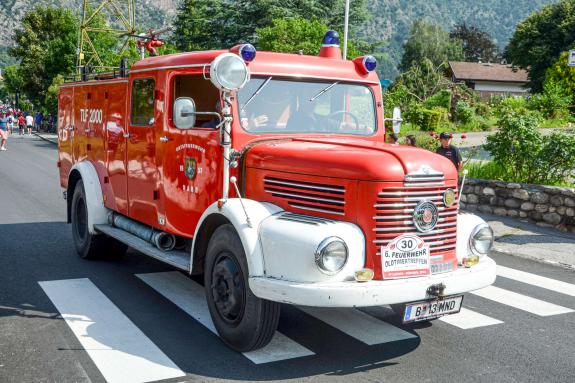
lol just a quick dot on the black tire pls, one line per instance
(244, 321)
(90, 246)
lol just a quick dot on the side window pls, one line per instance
(205, 95)
(143, 101)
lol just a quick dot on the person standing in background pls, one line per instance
(21, 123)
(3, 131)
(29, 123)
(38, 120)
(449, 151)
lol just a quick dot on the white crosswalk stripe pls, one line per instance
(359, 325)
(467, 319)
(189, 296)
(520, 301)
(536, 280)
(120, 350)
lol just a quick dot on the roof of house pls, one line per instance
(487, 72)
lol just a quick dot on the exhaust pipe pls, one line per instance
(162, 240)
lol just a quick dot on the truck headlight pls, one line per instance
(481, 239)
(331, 255)
(229, 72)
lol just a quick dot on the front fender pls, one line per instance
(466, 222)
(97, 212)
(232, 210)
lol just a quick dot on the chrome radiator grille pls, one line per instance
(394, 209)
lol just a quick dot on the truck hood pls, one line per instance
(345, 158)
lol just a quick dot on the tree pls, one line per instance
(432, 42)
(477, 44)
(561, 74)
(423, 79)
(217, 24)
(45, 45)
(295, 34)
(539, 40)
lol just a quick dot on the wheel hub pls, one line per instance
(228, 288)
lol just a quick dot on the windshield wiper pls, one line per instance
(324, 90)
(261, 87)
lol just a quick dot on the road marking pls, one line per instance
(522, 302)
(467, 319)
(536, 280)
(120, 350)
(189, 296)
(358, 324)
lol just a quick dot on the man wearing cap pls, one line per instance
(449, 151)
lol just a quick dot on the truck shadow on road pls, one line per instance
(34, 252)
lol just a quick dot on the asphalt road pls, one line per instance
(525, 331)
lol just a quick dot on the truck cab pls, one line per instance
(269, 175)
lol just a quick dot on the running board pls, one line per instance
(176, 258)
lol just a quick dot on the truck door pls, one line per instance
(141, 165)
(192, 158)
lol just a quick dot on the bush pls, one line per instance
(397, 95)
(426, 119)
(440, 99)
(525, 155)
(464, 112)
(553, 102)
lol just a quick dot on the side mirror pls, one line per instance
(184, 113)
(396, 120)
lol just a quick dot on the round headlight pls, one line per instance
(481, 239)
(229, 72)
(331, 255)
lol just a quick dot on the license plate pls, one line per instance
(418, 311)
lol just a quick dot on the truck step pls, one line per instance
(176, 258)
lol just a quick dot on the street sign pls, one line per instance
(571, 61)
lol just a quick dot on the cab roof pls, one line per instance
(266, 64)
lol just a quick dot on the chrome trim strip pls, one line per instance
(318, 210)
(170, 67)
(306, 217)
(305, 197)
(423, 179)
(384, 241)
(421, 185)
(411, 227)
(304, 186)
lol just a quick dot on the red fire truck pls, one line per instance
(270, 177)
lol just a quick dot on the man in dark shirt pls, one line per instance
(449, 151)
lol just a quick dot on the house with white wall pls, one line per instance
(489, 79)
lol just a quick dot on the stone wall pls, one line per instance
(545, 205)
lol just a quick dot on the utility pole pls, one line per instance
(345, 28)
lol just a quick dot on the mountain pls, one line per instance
(390, 20)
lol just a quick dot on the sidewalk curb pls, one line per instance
(498, 250)
(46, 139)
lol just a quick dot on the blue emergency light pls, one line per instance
(331, 38)
(248, 52)
(369, 63)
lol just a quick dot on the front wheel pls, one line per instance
(244, 321)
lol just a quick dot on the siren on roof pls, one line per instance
(365, 64)
(330, 46)
(246, 51)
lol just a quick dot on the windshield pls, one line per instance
(270, 105)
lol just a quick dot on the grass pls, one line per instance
(558, 123)
(490, 170)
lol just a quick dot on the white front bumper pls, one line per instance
(374, 293)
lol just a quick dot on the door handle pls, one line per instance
(165, 139)
(126, 135)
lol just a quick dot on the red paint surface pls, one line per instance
(142, 166)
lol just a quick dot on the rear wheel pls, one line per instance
(244, 321)
(88, 245)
